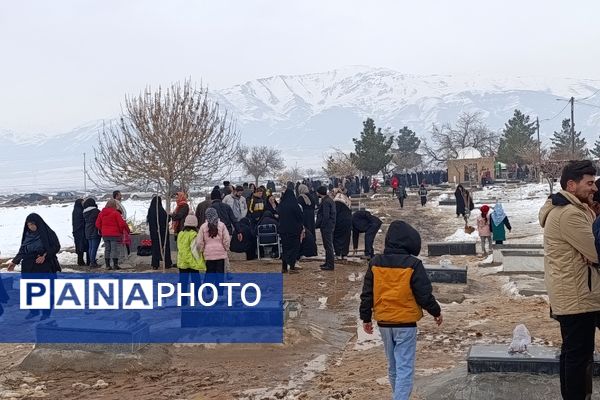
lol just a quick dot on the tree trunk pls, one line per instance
(163, 246)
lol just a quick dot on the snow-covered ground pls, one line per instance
(521, 204)
(59, 218)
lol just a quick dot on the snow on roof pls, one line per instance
(468, 153)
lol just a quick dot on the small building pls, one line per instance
(470, 167)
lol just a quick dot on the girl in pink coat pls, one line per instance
(213, 241)
(483, 227)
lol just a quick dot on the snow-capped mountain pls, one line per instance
(306, 115)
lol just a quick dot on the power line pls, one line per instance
(558, 113)
(592, 95)
(587, 104)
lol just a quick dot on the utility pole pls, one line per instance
(572, 128)
(84, 176)
(539, 146)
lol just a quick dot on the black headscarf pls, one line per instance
(162, 214)
(77, 216)
(89, 202)
(47, 235)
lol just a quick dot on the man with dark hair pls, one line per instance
(326, 216)
(571, 276)
(118, 197)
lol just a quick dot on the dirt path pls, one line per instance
(325, 355)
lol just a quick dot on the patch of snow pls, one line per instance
(461, 236)
(489, 259)
(468, 153)
(355, 277)
(67, 258)
(383, 381)
(364, 341)
(510, 289)
(322, 303)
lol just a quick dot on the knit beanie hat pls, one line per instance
(215, 194)
(191, 220)
(212, 217)
(322, 190)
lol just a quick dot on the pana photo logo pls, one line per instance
(129, 294)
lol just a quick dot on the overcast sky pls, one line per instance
(67, 62)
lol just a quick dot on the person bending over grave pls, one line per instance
(499, 220)
(343, 224)
(365, 222)
(395, 290)
(573, 284)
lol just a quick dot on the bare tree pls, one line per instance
(293, 174)
(470, 131)
(260, 161)
(311, 173)
(339, 164)
(175, 136)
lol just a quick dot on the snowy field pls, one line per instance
(59, 218)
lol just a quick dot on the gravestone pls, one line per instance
(498, 248)
(452, 248)
(446, 274)
(529, 261)
(447, 202)
(269, 314)
(496, 358)
(102, 335)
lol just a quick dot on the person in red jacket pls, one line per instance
(394, 183)
(112, 226)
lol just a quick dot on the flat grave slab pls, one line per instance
(529, 285)
(446, 274)
(537, 360)
(196, 317)
(452, 248)
(447, 202)
(523, 261)
(498, 248)
(116, 336)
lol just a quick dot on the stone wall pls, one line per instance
(457, 169)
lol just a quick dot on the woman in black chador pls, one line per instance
(37, 254)
(157, 223)
(81, 244)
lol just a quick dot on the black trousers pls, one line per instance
(370, 239)
(215, 273)
(577, 352)
(156, 256)
(290, 248)
(401, 200)
(327, 237)
(423, 200)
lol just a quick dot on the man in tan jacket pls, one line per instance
(571, 274)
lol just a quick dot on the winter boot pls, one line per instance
(107, 261)
(116, 263)
(80, 260)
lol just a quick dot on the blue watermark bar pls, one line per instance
(134, 308)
